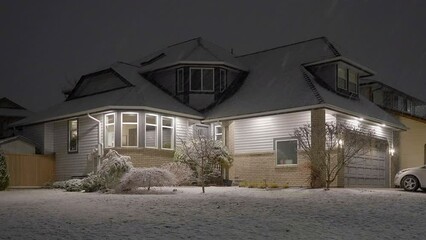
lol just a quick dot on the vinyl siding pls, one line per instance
(48, 138)
(254, 135)
(74, 164)
(181, 130)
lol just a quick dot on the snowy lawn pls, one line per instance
(223, 212)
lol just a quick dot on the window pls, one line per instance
(353, 82)
(129, 129)
(222, 80)
(202, 79)
(109, 130)
(151, 123)
(73, 135)
(180, 80)
(409, 106)
(286, 151)
(218, 134)
(342, 78)
(167, 135)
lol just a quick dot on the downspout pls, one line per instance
(100, 145)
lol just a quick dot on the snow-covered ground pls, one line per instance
(221, 213)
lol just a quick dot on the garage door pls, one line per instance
(369, 169)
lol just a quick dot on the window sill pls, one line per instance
(287, 166)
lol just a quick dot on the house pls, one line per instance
(410, 112)
(10, 112)
(17, 145)
(252, 102)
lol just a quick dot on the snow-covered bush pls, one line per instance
(73, 185)
(145, 177)
(183, 173)
(91, 183)
(59, 184)
(113, 167)
(4, 176)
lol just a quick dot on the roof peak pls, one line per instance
(325, 39)
(189, 40)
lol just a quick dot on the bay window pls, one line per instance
(109, 135)
(167, 133)
(201, 79)
(151, 125)
(73, 136)
(129, 129)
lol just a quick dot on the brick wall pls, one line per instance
(145, 157)
(261, 167)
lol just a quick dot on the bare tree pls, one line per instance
(330, 149)
(203, 155)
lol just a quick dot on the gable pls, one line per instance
(99, 82)
(6, 103)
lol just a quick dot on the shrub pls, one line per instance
(73, 185)
(251, 185)
(242, 184)
(183, 173)
(91, 183)
(4, 176)
(59, 184)
(273, 185)
(145, 177)
(113, 167)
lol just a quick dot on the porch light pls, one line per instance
(340, 142)
(392, 151)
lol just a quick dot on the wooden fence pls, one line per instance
(30, 170)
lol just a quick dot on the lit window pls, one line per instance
(342, 78)
(286, 151)
(202, 79)
(129, 129)
(353, 82)
(222, 80)
(167, 136)
(218, 133)
(180, 80)
(109, 130)
(73, 135)
(151, 123)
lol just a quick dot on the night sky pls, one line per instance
(47, 45)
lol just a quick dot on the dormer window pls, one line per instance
(353, 82)
(347, 80)
(342, 78)
(201, 79)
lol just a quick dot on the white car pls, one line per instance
(411, 179)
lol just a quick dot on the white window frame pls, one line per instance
(106, 124)
(69, 135)
(202, 79)
(154, 125)
(137, 129)
(182, 84)
(222, 88)
(276, 151)
(173, 133)
(219, 134)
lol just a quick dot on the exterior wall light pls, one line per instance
(340, 142)
(392, 151)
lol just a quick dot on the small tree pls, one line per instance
(203, 155)
(329, 150)
(4, 176)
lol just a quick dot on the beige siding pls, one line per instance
(412, 143)
(255, 135)
(18, 147)
(74, 164)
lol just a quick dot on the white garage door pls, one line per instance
(369, 169)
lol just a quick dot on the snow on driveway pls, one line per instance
(221, 213)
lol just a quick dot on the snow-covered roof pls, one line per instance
(144, 95)
(197, 50)
(278, 81)
(8, 108)
(16, 138)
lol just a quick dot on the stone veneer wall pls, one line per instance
(146, 157)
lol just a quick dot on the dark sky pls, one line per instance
(45, 44)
